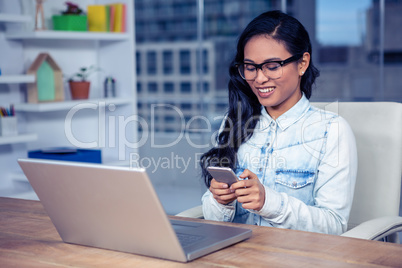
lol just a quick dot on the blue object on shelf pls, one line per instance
(68, 154)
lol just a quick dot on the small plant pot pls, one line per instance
(69, 22)
(79, 90)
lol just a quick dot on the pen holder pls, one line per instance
(8, 126)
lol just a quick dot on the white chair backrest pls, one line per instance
(377, 127)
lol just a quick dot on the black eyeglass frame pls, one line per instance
(259, 66)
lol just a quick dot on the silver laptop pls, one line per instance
(117, 208)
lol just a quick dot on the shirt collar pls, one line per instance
(288, 118)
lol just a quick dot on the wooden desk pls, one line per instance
(29, 239)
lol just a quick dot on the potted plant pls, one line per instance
(79, 85)
(72, 19)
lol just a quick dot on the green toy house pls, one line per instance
(48, 85)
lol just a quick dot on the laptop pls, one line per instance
(117, 208)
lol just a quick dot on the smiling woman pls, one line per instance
(348, 72)
(271, 118)
(275, 94)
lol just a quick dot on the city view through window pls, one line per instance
(355, 63)
(183, 51)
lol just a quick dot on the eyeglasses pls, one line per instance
(271, 69)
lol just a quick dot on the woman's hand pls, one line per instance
(221, 192)
(250, 192)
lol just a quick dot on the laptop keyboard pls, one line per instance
(187, 239)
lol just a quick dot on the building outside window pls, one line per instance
(346, 45)
(359, 59)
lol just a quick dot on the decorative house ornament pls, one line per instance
(48, 85)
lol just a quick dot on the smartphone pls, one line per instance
(223, 174)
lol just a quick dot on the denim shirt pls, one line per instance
(307, 162)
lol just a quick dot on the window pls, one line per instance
(138, 62)
(168, 87)
(204, 61)
(169, 119)
(185, 62)
(393, 57)
(336, 54)
(185, 87)
(186, 106)
(345, 36)
(205, 86)
(167, 62)
(152, 88)
(221, 106)
(151, 62)
(202, 106)
(349, 50)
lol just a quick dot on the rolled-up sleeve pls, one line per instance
(214, 211)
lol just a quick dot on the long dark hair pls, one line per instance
(244, 108)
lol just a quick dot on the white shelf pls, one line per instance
(19, 176)
(67, 35)
(16, 79)
(66, 105)
(113, 53)
(17, 139)
(14, 18)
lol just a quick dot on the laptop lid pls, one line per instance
(117, 208)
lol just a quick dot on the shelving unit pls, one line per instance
(17, 79)
(14, 18)
(19, 176)
(67, 35)
(66, 105)
(17, 139)
(113, 53)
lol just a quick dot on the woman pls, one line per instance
(297, 164)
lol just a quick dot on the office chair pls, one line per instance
(377, 127)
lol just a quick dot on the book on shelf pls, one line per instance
(97, 18)
(107, 18)
(110, 11)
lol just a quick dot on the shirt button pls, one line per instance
(294, 183)
(260, 169)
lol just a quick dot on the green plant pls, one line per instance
(83, 73)
(72, 9)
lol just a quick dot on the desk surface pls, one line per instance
(29, 239)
